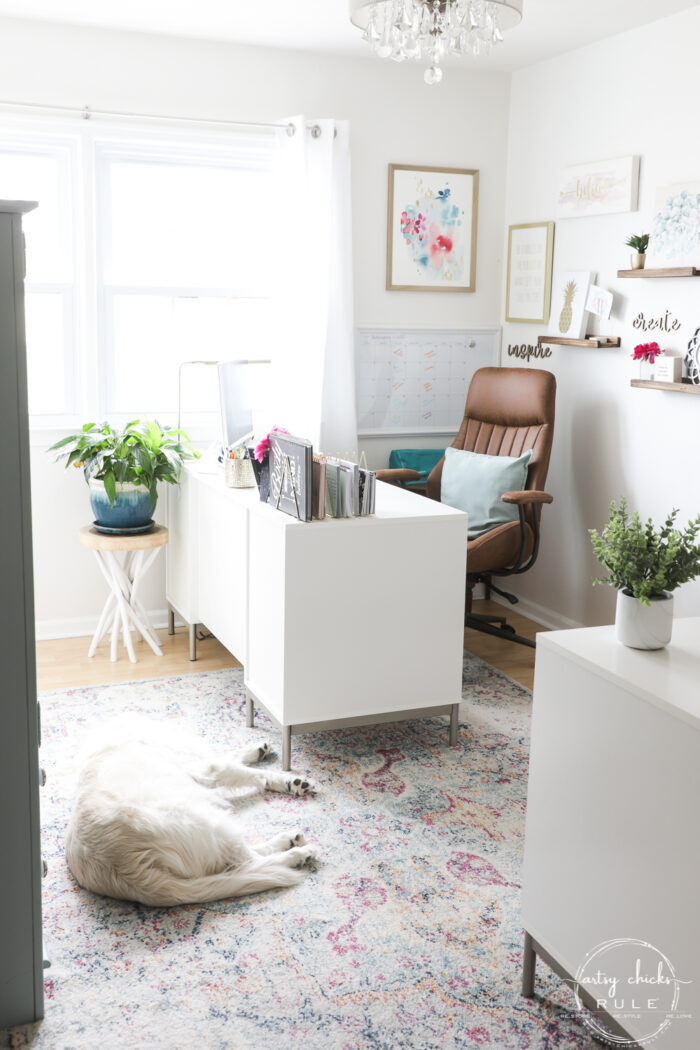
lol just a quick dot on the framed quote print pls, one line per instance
(529, 274)
(431, 229)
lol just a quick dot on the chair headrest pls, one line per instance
(512, 397)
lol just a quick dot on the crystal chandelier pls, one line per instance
(429, 30)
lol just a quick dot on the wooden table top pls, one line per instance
(102, 541)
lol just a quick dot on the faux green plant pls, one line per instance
(644, 561)
(639, 242)
(143, 453)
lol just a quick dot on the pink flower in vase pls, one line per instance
(263, 445)
(647, 352)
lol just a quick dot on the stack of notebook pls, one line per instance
(341, 488)
(312, 486)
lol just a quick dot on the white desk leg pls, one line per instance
(193, 641)
(286, 748)
(454, 725)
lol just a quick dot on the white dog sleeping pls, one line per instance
(153, 822)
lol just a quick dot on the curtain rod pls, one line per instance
(86, 113)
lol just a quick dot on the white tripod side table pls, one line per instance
(124, 578)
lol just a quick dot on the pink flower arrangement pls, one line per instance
(263, 446)
(647, 352)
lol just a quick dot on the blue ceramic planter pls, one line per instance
(132, 506)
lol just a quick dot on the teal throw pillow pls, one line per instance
(475, 483)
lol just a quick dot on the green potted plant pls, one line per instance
(645, 565)
(123, 468)
(640, 243)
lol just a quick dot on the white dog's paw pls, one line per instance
(297, 839)
(256, 754)
(301, 855)
(299, 786)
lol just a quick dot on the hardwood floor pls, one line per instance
(517, 661)
(63, 663)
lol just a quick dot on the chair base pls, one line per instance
(497, 626)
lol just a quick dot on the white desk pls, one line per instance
(612, 844)
(336, 622)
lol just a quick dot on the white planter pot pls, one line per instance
(644, 626)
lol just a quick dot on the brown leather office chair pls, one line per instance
(508, 411)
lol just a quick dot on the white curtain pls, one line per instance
(314, 356)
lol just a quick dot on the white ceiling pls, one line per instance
(549, 27)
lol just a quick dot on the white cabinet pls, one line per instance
(612, 846)
(336, 621)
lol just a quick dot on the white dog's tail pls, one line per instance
(163, 889)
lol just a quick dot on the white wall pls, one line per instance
(634, 93)
(394, 118)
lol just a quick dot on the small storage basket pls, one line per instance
(239, 474)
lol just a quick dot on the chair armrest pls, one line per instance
(522, 498)
(394, 474)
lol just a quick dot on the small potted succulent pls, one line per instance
(645, 565)
(123, 468)
(640, 243)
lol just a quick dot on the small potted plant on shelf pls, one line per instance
(645, 565)
(640, 243)
(123, 468)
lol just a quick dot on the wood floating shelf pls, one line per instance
(652, 384)
(595, 342)
(672, 271)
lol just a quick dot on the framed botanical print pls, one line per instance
(431, 229)
(529, 274)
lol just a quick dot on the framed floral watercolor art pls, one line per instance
(431, 229)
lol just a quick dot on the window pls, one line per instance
(184, 247)
(43, 169)
(143, 253)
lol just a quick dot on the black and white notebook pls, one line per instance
(291, 475)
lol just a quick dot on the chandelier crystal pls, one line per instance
(430, 30)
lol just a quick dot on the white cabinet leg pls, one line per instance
(286, 748)
(454, 725)
(171, 620)
(193, 641)
(529, 961)
(249, 711)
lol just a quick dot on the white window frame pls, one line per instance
(66, 150)
(83, 147)
(243, 151)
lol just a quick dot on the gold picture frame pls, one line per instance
(529, 272)
(432, 219)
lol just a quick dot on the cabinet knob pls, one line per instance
(44, 868)
(42, 776)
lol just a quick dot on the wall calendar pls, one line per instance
(413, 380)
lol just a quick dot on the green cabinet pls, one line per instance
(21, 980)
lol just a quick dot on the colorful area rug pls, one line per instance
(406, 934)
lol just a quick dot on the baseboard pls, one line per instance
(547, 617)
(85, 626)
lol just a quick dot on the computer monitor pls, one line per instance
(236, 407)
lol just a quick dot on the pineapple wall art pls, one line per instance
(568, 318)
